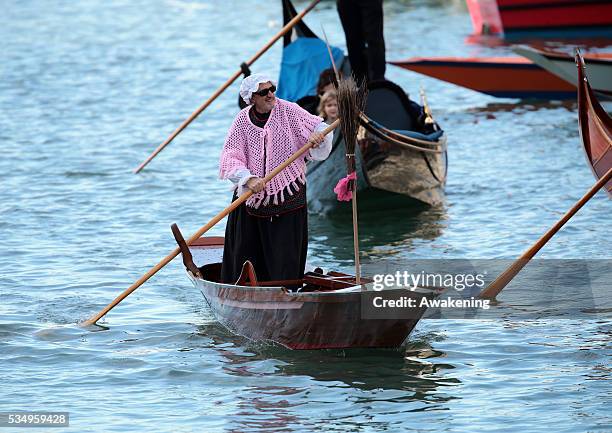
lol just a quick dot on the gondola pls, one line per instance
(401, 148)
(320, 311)
(595, 126)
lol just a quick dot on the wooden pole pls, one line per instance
(354, 197)
(505, 277)
(201, 231)
(356, 234)
(225, 85)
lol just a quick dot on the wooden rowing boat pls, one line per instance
(595, 126)
(401, 148)
(563, 66)
(502, 77)
(327, 311)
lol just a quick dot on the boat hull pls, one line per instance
(303, 322)
(394, 167)
(517, 19)
(381, 165)
(555, 17)
(563, 66)
(311, 320)
(502, 77)
(595, 127)
(485, 17)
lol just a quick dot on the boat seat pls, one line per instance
(389, 105)
(247, 276)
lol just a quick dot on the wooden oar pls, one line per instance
(228, 83)
(202, 230)
(504, 278)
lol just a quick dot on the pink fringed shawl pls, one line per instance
(286, 131)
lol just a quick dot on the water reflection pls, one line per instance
(381, 234)
(524, 106)
(257, 412)
(415, 367)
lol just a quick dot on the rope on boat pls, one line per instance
(441, 142)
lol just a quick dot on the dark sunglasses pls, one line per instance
(264, 92)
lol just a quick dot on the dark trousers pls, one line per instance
(362, 21)
(277, 246)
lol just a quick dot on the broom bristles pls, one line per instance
(351, 102)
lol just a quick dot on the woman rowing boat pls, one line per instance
(271, 229)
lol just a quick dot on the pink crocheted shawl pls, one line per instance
(286, 131)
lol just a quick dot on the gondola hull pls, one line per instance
(312, 320)
(381, 165)
(595, 127)
(392, 166)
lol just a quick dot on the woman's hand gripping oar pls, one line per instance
(203, 230)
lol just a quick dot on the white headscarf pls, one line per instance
(251, 83)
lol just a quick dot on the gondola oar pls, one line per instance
(503, 279)
(228, 83)
(203, 230)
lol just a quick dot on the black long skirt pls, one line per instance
(276, 246)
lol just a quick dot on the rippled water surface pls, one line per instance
(88, 89)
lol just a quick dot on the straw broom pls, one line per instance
(351, 102)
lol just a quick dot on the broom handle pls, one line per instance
(356, 236)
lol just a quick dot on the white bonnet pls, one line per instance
(251, 83)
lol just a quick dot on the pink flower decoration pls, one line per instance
(342, 189)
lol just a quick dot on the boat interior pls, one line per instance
(315, 281)
(389, 105)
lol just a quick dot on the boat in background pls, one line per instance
(502, 77)
(401, 148)
(563, 66)
(595, 126)
(515, 19)
(485, 17)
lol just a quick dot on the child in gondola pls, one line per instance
(328, 106)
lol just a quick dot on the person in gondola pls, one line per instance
(328, 106)
(271, 228)
(362, 21)
(327, 81)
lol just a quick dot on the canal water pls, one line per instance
(89, 89)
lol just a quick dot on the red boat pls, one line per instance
(485, 17)
(503, 77)
(329, 311)
(545, 18)
(595, 127)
